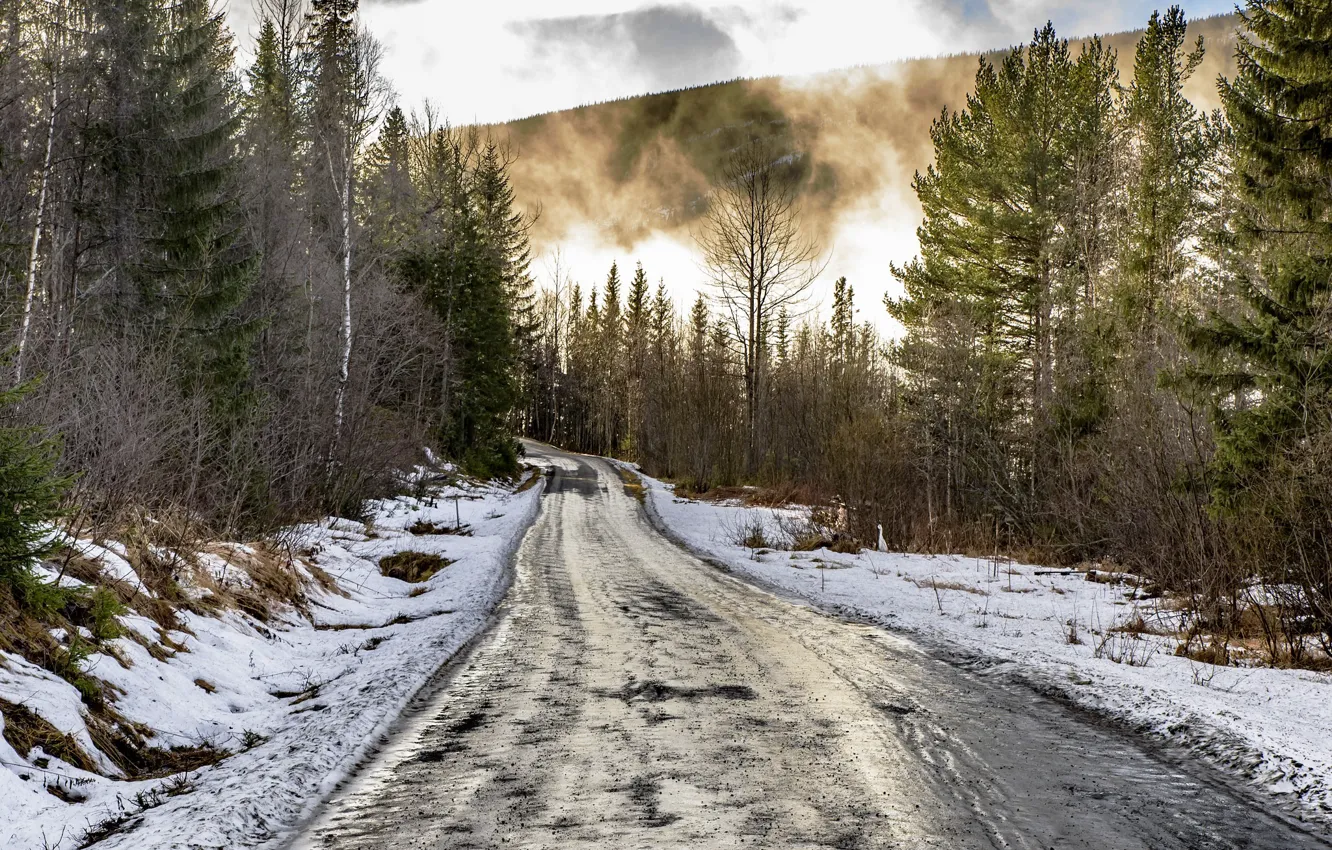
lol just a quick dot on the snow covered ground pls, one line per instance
(1273, 727)
(298, 700)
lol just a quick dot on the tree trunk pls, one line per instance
(344, 361)
(31, 287)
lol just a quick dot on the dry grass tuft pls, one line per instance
(412, 566)
(423, 528)
(126, 744)
(24, 730)
(530, 481)
(633, 484)
(325, 581)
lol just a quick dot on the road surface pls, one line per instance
(631, 696)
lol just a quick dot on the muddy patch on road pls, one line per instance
(650, 690)
(644, 792)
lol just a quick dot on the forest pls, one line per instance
(247, 295)
(1115, 342)
(235, 298)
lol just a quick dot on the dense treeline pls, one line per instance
(246, 295)
(1116, 342)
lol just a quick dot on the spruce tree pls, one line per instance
(390, 208)
(1272, 365)
(504, 229)
(198, 267)
(270, 140)
(638, 303)
(454, 268)
(31, 494)
(269, 100)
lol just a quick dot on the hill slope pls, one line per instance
(611, 177)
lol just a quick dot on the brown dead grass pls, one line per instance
(25, 730)
(530, 481)
(325, 581)
(128, 745)
(423, 528)
(412, 566)
(1138, 625)
(633, 484)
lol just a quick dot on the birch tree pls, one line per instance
(348, 95)
(756, 255)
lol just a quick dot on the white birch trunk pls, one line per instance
(344, 366)
(30, 294)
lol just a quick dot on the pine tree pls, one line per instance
(1001, 278)
(1171, 148)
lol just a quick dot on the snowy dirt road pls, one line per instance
(632, 696)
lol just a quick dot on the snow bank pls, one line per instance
(1272, 727)
(298, 701)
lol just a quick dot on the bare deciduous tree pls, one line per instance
(755, 254)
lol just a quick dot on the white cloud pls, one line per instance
(481, 62)
(486, 62)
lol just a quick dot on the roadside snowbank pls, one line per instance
(1272, 727)
(298, 701)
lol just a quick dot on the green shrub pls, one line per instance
(30, 500)
(104, 611)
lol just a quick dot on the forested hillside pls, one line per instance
(1115, 342)
(631, 168)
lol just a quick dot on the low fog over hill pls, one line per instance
(626, 180)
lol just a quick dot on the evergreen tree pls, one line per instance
(270, 98)
(505, 231)
(638, 304)
(120, 138)
(272, 126)
(31, 494)
(390, 207)
(1273, 363)
(453, 266)
(198, 267)
(993, 301)
(1171, 148)
(505, 228)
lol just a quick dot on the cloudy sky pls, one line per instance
(492, 61)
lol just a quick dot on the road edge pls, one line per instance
(422, 695)
(1232, 760)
